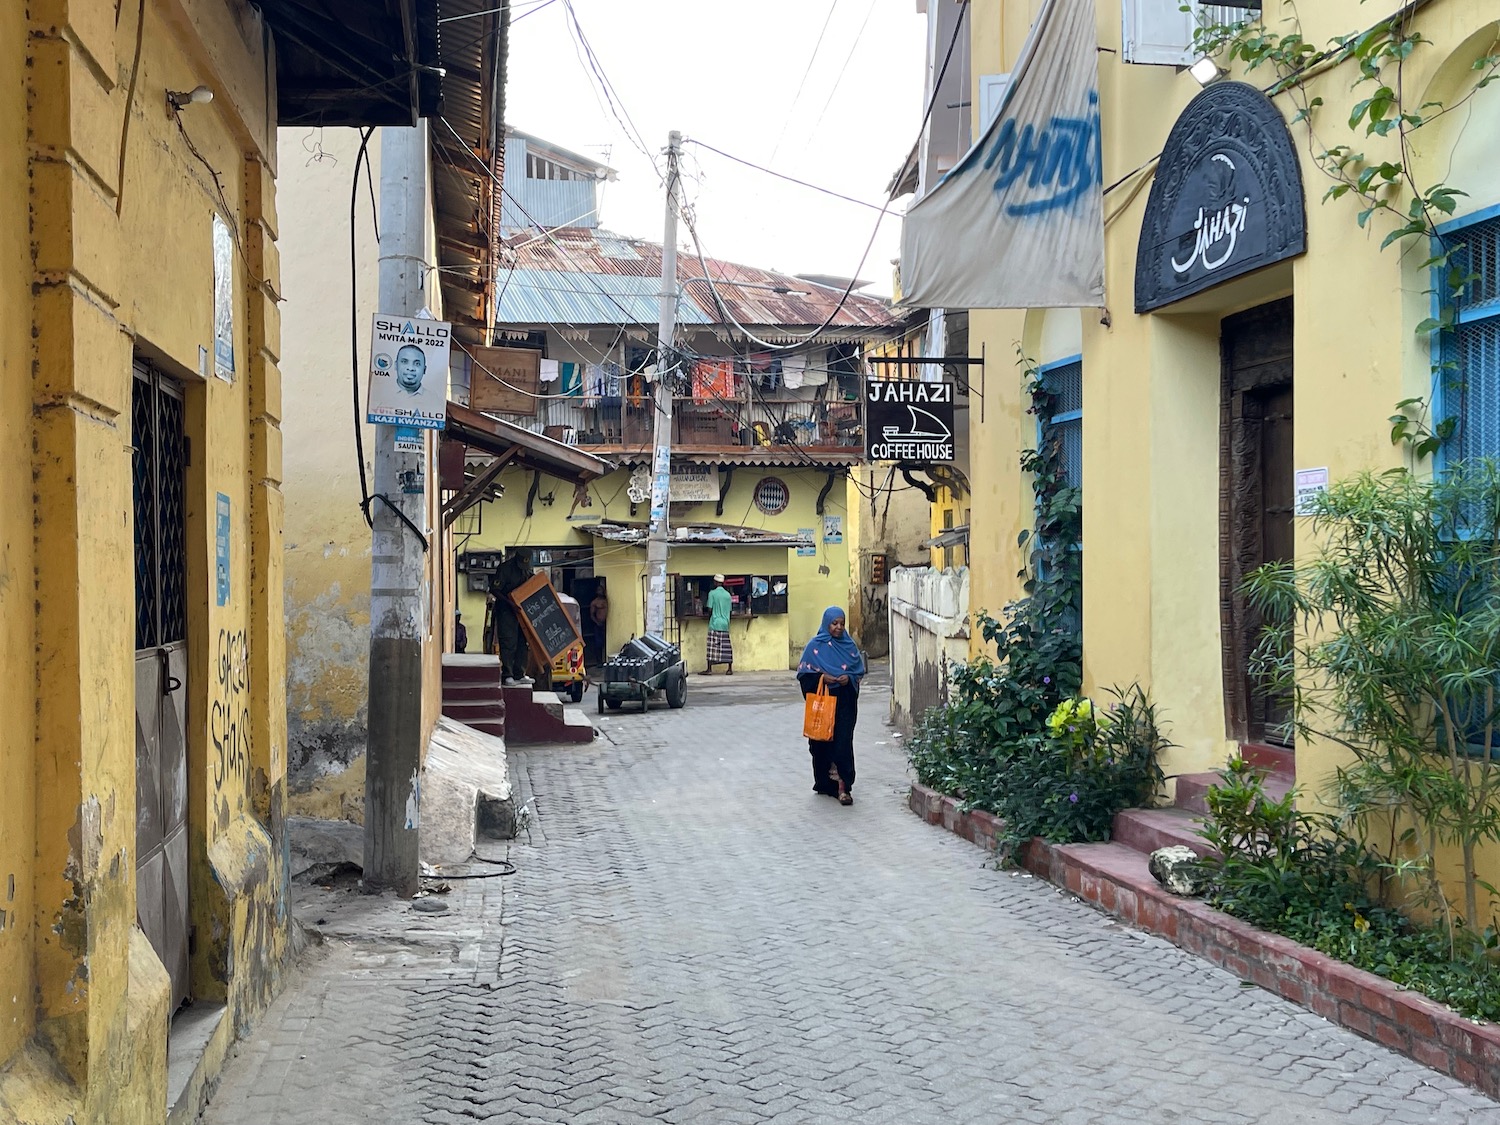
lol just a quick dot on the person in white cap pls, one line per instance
(720, 650)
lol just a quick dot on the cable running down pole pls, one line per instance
(666, 366)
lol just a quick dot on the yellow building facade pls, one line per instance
(124, 365)
(143, 879)
(1201, 410)
(593, 533)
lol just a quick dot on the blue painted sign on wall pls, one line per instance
(221, 547)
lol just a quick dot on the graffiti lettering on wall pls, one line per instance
(229, 714)
(1060, 162)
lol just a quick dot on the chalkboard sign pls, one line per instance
(548, 627)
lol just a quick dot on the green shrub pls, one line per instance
(1299, 875)
(1063, 776)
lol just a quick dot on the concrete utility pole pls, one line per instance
(661, 461)
(398, 602)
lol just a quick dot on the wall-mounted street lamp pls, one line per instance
(178, 100)
(1205, 70)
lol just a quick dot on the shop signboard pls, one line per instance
(909, 420)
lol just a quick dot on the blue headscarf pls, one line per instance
(830, 655)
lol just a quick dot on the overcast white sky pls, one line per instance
(728, 74)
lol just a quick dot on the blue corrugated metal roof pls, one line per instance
(532, 296)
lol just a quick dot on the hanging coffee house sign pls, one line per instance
(1227, 198)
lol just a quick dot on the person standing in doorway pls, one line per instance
(720, 648)
(460, 634)
(832, 659)
(598, 617)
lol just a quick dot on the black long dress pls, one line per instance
(837, 752)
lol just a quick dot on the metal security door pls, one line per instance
(159, 462)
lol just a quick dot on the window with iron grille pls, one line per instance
(158, 467)
(1065, 380)
(1470, 386)
(772, 496)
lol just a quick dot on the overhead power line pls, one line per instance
(812, 58)
(784, 176)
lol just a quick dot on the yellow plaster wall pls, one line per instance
(1151, 383)
(326, 584)
(815, 582)
(327, 556)
(123, 263)
(890, 517)
(17, 599)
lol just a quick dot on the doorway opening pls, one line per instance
(159, 485)
(1256, 509)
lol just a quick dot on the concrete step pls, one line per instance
(1193, 787)
(464, 690)
(471, 710)
(1272, 759)
(1145, 830)
(470, 668)
(540, 716)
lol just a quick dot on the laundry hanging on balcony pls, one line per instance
(713, 380)
(1019, 222)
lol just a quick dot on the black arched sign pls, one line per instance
(1227, 198)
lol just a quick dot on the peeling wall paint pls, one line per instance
(929, 626)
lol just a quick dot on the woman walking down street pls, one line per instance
(832, 658)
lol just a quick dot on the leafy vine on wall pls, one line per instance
(1383, 183)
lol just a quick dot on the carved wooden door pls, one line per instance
(1256, 503)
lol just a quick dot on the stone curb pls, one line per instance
(1371, 1006)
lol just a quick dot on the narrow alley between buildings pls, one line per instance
(692, 935)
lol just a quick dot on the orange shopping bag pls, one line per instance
(817, 714)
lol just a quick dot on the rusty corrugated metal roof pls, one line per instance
(713, 534)
(560, 274)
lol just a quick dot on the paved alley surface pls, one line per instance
(693, 936)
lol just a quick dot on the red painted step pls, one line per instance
(1145, 830)
(1192, 787)
(1273, 759)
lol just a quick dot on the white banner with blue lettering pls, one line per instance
(1019, 222)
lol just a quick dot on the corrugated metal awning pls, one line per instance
(953, 537)
(532, 451)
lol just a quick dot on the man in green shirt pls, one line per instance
(720, 650)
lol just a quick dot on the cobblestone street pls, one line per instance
(694, 936)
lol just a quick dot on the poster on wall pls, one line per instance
(833, 529)
(806, 544)
(1310, 484)
(223, 299)
(409, 439)
(221, 549)
(409, 372)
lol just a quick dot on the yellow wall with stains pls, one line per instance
(121, 265)
(1151, 382)
(815, 582)
(17, 616)
(327, 560)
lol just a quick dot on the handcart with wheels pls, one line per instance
(644, 666)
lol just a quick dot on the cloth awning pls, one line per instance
(1019, 222)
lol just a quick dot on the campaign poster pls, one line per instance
(409, 372)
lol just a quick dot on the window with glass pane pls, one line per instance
(1471, 392)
